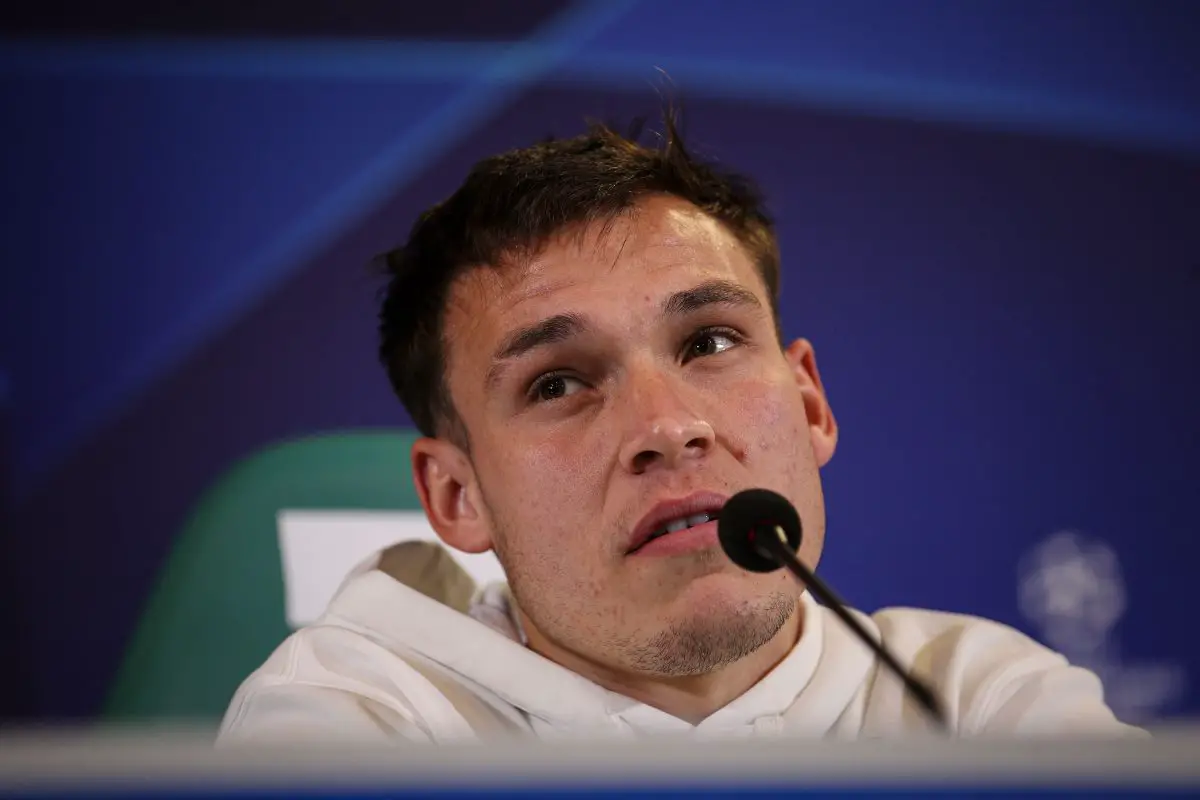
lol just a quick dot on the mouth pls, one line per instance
(682, 524)
(680, 535)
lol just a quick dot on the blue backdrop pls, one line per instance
(990, 221)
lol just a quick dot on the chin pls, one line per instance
(732, 590)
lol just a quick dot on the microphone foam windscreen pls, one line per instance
(749, 515)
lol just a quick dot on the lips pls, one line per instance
(671, 516)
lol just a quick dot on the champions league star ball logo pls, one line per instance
(1071, 589)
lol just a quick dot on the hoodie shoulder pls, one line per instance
(326, 681)
(995, 679)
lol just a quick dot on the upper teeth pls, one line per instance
(680, 523)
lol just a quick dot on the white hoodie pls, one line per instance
(386, 662)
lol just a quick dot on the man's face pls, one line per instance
(614, 375)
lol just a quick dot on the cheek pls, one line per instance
(546, 512)
(769, 421)
(560, 466)
(540, 491)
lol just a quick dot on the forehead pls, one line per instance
(661, 245)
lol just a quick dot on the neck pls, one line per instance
(691, 698)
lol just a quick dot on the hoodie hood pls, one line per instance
(805, 693)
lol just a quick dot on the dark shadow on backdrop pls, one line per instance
(464, 20)
(16, 677)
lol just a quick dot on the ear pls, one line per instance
(449, 492)
(823, 429)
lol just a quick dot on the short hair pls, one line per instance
(509, 207)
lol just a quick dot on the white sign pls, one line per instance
(319, 548)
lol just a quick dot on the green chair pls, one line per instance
(219, 608)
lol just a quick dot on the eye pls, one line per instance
(710, 342)
(554, 387)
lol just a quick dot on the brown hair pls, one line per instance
(510, 206)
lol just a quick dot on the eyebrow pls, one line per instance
(724, 293)
(562, 327)
(551, 330)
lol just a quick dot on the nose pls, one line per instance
(666, 434)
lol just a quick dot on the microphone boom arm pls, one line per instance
(777, 548)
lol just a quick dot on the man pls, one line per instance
(587, 335)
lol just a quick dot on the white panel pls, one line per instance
(320, 548)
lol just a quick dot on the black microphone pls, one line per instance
(760, 531)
